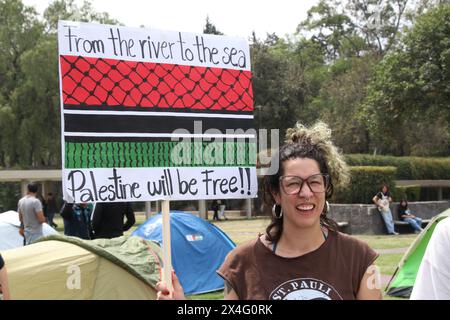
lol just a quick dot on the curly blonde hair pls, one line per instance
(319, 137)
(314, 143)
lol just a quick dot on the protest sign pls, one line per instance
(154, 115)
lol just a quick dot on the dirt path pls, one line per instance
(391, 251)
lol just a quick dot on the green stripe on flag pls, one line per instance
(159, 154)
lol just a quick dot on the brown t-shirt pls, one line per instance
(333, 271)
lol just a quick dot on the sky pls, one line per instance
(232, 17)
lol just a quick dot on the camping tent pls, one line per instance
(198, 249)
(402, 281)
(9, 231)
(69, 268)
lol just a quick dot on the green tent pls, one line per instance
(69, 268)
(402, 281)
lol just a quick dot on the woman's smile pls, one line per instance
(305, 208)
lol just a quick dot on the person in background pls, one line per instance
(302, 255)
(433, 277)
(222, 207)
(31, 215)
(77, 220)
(405, 214)
(215, 209)
(50, 209)
(4, 290)
(383, 199)
(108, 219)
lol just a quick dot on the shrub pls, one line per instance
(408, 168)
(410, 193)
(365, 183)
(9, 196)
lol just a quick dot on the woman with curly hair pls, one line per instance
(302, 255)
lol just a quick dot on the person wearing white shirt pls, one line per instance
(433, 278)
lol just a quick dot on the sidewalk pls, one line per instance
(391, 251)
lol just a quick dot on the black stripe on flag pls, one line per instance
(153, 124)
(153, 139)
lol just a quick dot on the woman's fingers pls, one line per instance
(163, 292)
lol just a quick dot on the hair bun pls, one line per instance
(319, 136)
(319, 132)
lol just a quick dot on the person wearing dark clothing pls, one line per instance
(77, 220)
(405, 214)
(215, 208)
(302, 255)
(107, 221)
(50, 209)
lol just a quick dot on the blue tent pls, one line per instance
(198, 249)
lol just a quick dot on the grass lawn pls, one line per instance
(242, 230)
(388, 262)
(388, 242)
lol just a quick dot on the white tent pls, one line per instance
(9, 231)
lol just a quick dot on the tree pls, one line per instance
(423, 6)
(378, 21)
(29, 85)
(210, 28)
(410, 90)
(19, 33)
(68, 10)
(37, 100)
(354, 27)
(286, 75)
(340, 100)
(268, 71)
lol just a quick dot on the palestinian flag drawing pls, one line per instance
(149, 114)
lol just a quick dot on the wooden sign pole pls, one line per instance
(167, 258)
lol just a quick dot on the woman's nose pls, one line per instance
(305, 190)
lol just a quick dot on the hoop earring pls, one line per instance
(326, 208)
(274, 211)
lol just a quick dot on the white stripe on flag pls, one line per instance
(156, 114)
(157, 135)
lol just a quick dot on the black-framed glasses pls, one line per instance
(317, 183)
